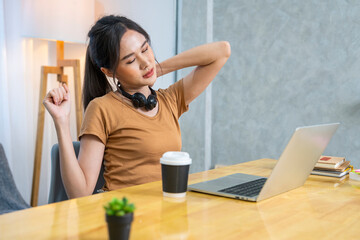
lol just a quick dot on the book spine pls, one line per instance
(325, 165)
(329, 174)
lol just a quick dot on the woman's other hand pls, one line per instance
(57, 102)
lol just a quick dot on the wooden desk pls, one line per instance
(324, 208)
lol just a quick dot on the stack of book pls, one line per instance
(332, 166)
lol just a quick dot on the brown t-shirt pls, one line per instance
(133, 141)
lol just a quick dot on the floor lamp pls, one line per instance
(65, 20)
(61, 78)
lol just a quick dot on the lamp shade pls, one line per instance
(65, 20)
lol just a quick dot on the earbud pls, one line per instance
(139, 100)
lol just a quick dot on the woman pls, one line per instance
(126, 123)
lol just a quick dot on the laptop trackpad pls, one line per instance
(223, 182)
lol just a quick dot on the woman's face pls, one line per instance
(136, 67)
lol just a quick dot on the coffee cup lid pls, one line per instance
(175, 158)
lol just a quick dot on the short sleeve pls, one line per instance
(175, 95)
(94, 122)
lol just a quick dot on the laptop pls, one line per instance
(291, 170)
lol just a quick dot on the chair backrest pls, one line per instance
(10, 197)
(57, 189)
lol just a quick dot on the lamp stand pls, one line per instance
(61, 78)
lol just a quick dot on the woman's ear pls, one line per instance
(107, 72)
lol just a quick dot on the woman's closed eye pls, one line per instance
(144, 50)
(131, 61)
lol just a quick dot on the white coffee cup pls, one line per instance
(175, 172)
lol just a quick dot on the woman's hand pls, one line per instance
(57, 102)
(159, 71)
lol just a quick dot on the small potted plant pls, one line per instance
(119, 216)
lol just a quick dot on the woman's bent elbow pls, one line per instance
(78, 194)
(226, 48)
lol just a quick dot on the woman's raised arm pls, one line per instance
(79, 177)
(209, 59)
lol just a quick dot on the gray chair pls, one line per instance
(10, 197)
(57, 189)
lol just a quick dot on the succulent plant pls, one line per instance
(118, 207)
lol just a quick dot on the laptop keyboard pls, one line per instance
(249, 189)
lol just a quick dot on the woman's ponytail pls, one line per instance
(95, 82)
